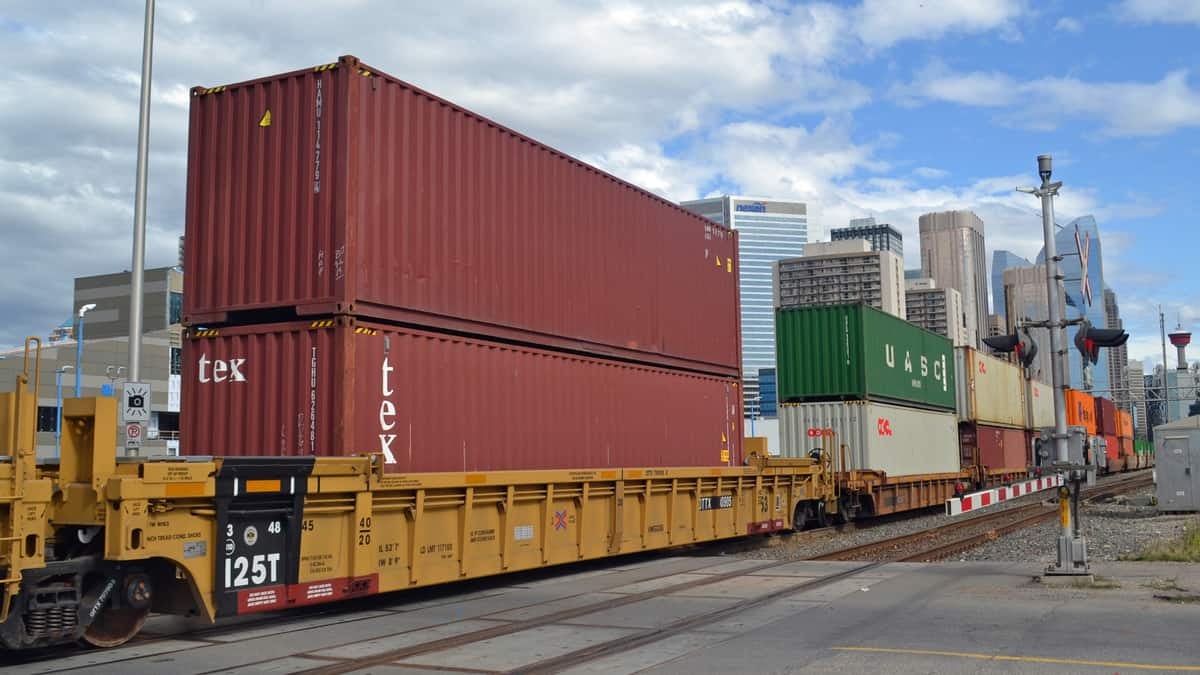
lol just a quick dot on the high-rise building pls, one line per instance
(1025, 294)
(952, 254)
(841, 272)
(913, 274)
(1003, 260)
(1077, 305)
(1118, 358)
(996, 324)
(883, 237)
(1154, 401)
(768, 231)
(937, 309)
(1136, 375)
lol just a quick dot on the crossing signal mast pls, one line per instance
(1072, 547)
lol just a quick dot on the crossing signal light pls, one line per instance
(1026, 348)
(1089, 340)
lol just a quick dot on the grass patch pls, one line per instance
(1186, 549)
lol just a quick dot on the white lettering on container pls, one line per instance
(387, 414)
(222, 371)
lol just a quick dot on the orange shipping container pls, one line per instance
(1124, 425)
(1081, 411)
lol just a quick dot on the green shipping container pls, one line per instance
(846, 352)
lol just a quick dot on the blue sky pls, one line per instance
(885, 108)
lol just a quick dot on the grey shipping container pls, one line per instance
(895, 440)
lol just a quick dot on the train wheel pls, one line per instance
(115, 627)
(821, 519)
(801, 516)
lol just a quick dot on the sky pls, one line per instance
(885, 108)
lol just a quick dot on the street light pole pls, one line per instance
(139, 209)
(1162, 329)
(1072, 549)
(79, 348)
(58, 409)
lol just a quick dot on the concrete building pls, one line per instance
(1077, 305)
(1001, 261)
(1026, 298)
(1135, 374)
(1118, 358)
(768, 231)
(883, 237)
(105, 360)
(937, 309)
(840, 272)
(952, 253)
(913, 274)
(996, 324)
(101, 360)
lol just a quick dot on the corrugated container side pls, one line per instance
(1126, 447)
(897, 440)
(1081, 411)
(999, 449)
(990, 391)
(1112, 447)
(344, 190)
(1124, 424)
(854, 352)
(1106, 417)
(438, 402)
(1041, 404)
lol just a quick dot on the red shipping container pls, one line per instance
(439, 402)
(1112, 447)
(1107, 423)
(341, 190)
(997, 449)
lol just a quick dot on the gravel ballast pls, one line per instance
(1114, 530)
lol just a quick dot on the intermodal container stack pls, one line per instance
(992, 416)
(374, 269)
(880, 387)
(1125, 439)
(1106, 426)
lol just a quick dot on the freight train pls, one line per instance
(424, 348)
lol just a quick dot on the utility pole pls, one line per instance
(139, 207)
(1072, 547)
(1162, 329)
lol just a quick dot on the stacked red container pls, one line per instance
(1106, 426)
(345, 199)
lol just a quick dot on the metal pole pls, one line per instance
(1162, 329)
(58, 414)
(139, 209)
(1072, 551)
(79, 354)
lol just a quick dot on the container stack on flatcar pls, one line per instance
(374, 269)
(993, 416)
(1107, 426)
(878, 389)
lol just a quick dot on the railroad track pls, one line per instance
(946, 540)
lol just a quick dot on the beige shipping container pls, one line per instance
(880, 437)
(1041, 404)
(990, 391)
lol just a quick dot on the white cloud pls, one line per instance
(1160, 11)
(1069, 25)
(930, 173)
(882, 23)
(1121, 108)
